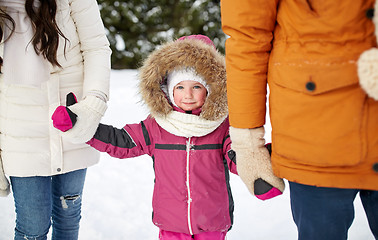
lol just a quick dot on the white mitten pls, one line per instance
(253, 163)
(368, 72)
(367, 65)
(4, 184)
(89, 112)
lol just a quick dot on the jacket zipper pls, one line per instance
(188, 147)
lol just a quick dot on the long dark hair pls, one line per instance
(46, 37)
(4, 16)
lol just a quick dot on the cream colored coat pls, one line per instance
(30, 145)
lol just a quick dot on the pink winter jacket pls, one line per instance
(192, 192)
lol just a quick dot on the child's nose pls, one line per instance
(188, 93)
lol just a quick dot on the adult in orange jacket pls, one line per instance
(324, 125)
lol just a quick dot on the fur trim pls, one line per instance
(207, 62)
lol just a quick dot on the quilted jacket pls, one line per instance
(30, 145)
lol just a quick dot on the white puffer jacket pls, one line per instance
(30, 145)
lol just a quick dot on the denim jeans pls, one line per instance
(328, 213)
(44, 201)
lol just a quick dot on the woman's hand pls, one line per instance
(253, 163)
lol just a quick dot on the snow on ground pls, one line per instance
(117, 194)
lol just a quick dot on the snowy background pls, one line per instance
(117, 194)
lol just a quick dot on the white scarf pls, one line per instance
(187, 125)
(21, 65)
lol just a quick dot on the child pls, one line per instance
(184, 85)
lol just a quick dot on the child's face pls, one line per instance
(189, 95)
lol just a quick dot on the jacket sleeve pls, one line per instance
(127, 142)
(229, 154)
(249, 25)
(94, 45)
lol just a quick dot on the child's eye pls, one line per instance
(197, 87)
(179, 87)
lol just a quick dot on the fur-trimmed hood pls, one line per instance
(204, 58)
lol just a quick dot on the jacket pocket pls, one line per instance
(314, 78)
(317, 118)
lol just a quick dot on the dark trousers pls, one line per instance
(327, 213)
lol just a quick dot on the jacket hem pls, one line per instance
(349, 178)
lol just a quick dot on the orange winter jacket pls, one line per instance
(324, 127)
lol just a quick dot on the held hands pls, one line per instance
(4, 184)
(85, 115)
(253, 163)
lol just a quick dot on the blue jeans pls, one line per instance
(40, 201)
(328, 213)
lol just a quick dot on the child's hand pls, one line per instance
(253, 163)
(63, 118)
(85, 115)
(263, 190)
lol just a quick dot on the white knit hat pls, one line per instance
(183, 74)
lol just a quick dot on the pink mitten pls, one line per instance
(262, 189)
(63, 118)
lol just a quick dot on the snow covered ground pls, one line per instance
(117, 194)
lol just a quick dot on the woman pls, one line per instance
(50, 48)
